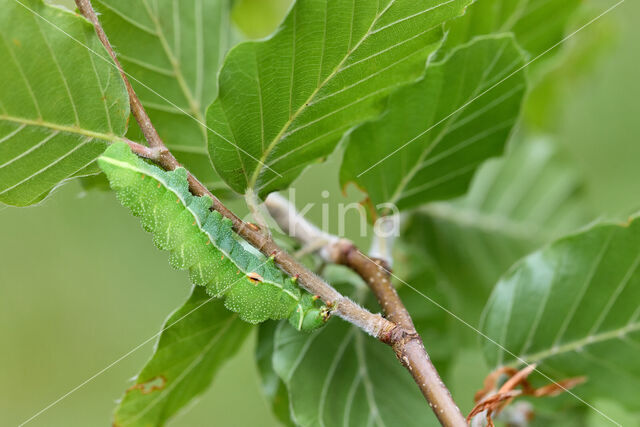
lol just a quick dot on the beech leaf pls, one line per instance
(197, 339)
(436, 132)
(172, 50)
(573, 309)
(286, 101)
(515, 204)
(537, 24)
(61, 103)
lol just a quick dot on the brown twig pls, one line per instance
(409, 347)
(138, 111)
(405, 341)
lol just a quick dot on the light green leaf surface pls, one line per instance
(537, 24)
(259, 18)
(437, 131)
(514, 205)
(200, 337)
(273, 388)
(286, 101)
(60, 104)
(574, 307)
(559, 79)
(341, 376)
(173, 50)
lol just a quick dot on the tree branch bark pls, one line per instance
(138, 111)
(405, 340)
(142, 150)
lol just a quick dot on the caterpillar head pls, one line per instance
(310, 315)
(316, 318)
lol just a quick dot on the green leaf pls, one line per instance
(537, 24)
(60, 103)
(560, 78)
(173, 50)
(286, 101)
(514, 205)
(197, 339)
(273, 387)
(437, 131)
(573, 307)
(259, 18)
(341, 376)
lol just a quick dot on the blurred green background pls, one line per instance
(82, 284)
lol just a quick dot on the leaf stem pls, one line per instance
(253, 203)
(404, 339)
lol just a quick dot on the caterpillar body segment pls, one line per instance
(203, 242)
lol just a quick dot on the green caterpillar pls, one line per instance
(203, 242)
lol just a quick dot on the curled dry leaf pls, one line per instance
(556, 388)
(493, 402)
(491, 380)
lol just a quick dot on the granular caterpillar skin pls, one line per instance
(202, 241)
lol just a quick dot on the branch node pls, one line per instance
(400, 333)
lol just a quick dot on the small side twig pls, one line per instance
(384, 238)
(142, 150)
(405, 341)
(253, 203)
(296, 226)
(375, 272)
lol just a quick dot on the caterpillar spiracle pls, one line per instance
(202, 241)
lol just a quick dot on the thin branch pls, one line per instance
(141, 116)
(405, 341)
(342, 251)
(296, 226)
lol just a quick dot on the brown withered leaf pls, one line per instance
(491, 380)
(493, 402)
(558, 387)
